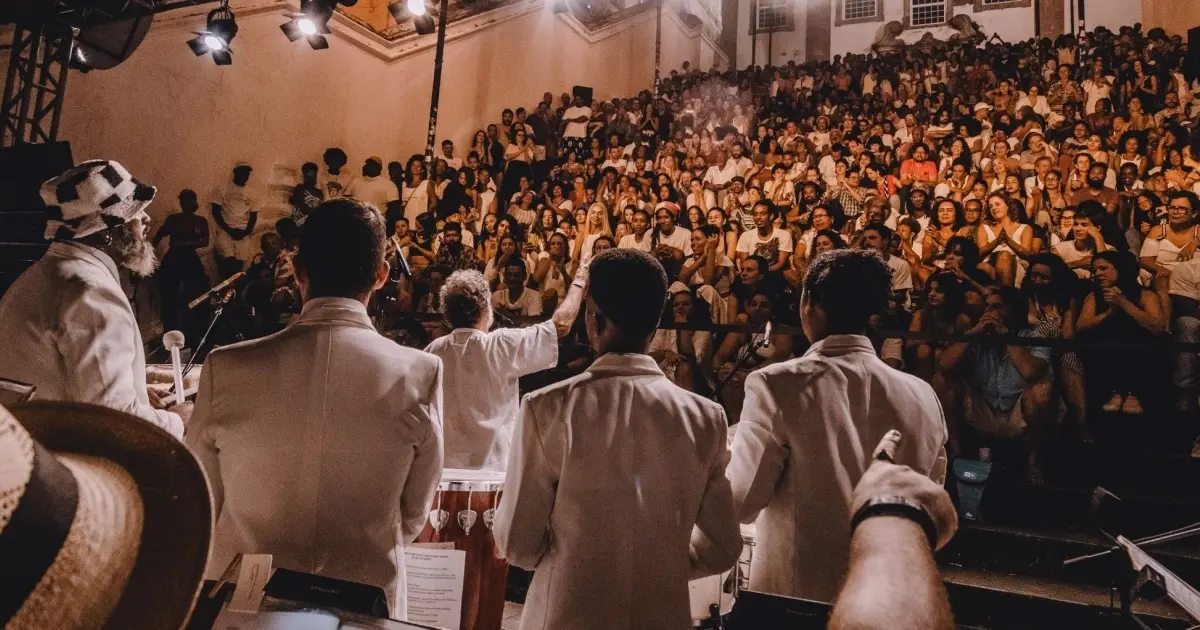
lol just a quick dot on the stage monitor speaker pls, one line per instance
(584, 93)
(1191, 65)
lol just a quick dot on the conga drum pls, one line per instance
(463, 512)
(712, 598)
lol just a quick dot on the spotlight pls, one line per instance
(312, 23)
(220, 29)
(422, 17)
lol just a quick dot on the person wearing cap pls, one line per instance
(616, 492)
(373, 187)
(808, 424)
(105, 522)
(67, 326)
(323, 442)
(235, 211)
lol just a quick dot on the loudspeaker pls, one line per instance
(103, 46)
(584, 93)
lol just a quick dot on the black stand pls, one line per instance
(220, 303)
(751, 347)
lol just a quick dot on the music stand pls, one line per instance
(1147, 570)
(14, 392)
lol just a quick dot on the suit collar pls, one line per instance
(88, 254)
(835, 345)
(627, 364)
(334, 310)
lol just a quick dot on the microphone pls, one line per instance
(402, 264)
(766, 340)
(173, 341)
(216, 290)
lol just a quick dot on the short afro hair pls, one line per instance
(630, 287)
(850, 285)
(466, 298)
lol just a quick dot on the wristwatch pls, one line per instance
(897, 506)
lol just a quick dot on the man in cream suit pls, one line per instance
(616, 493)
(323, 442)
(809, 425)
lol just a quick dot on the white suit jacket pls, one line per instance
(67, 327)
(616, 496)
(323, 446)
(481, 372)
(806, 436)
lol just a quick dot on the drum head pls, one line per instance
(476, 480)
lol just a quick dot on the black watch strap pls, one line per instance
(897, 506)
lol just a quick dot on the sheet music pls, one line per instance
(435, 586)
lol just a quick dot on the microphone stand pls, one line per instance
(752, 346)
(221, 303)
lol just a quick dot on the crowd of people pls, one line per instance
(1037, 189)
(985, 199)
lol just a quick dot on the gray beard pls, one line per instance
(138, 257)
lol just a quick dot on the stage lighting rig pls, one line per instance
(423, 20)
(311, 23)
(220, 29)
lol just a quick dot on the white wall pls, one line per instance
(178, 121)
(1012, 25)
(786, 46)
(1113, 14)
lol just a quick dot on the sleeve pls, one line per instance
(743, 244)
(201, 436)
(1150, 248)
(426, 469)
(97, 337)
(522, 527)
(526, 350)
(716, 541)
(785, 241)
(533, 303)
(759, 455)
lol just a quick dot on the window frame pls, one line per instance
(947, 13)
(788, 6)
(995, 5)
(840, 16)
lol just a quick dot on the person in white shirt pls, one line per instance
(66, 325)
(878, 237)
(575, 127)
(772, 243)
(514, 299)
(808, 426)
(616, 493)
(235, 212)
(667, 239)
(640, 238)
(448, 155)
(373, 187)
(481, 368)
(335, 179)
(323, 442)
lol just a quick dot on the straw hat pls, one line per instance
(105, 520)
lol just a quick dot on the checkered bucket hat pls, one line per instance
(92, 197)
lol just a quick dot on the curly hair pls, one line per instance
(466, 298)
